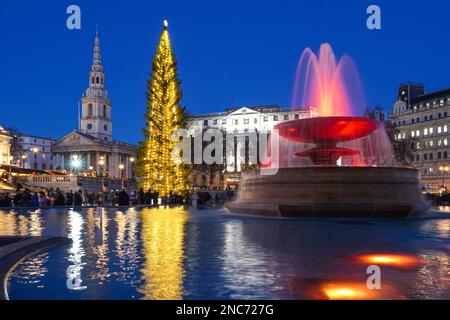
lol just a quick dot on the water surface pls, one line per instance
(178, 253)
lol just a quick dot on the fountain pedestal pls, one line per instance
(331, 192)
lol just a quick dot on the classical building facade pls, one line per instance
(5, 146)
(426, 119)
(92, 148)
(238, 120)
(32, 152)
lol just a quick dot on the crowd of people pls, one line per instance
(55, 198)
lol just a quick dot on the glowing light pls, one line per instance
(394, 260)
(76, 162)
(166, 23)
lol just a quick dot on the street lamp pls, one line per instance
(101, 163)
(35, 150)
(23, 160)
(132, 166)
(444, 170)
(121, 167)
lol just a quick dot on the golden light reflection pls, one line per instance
(14, 224)
(163, 238)
(353, 290)
(392, 260)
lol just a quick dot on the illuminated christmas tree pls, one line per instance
(164, 115)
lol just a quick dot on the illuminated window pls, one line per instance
(425, 132)
(431, 130)
(445, 128)
(439, 129)
(417, 133)
(413, 134)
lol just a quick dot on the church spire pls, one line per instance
(97, 61)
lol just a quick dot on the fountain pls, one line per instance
(335, 165)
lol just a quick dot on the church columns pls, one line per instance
(88, 160)
(62, 162)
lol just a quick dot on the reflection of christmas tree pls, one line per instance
(164, 115)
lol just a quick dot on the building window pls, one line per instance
(296, 116)
(236, 121)
(89, 126)
(445, 154)
(417, 157)
(445, 128)
(439, 155)
(105, 114)
(266, 118)
(105, 127)
(431, 156)
(426, 118)
(286, 117)
(255, 120)
(215, 122)
(224, 121)
(246, 121)
(425, 157)
(275, 118)
(205, 122)
(90, 110)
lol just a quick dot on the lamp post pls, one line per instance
(35, 151)
(23, 157)
(121, 167)
(132, 166)
(101, 163)
(444, 170)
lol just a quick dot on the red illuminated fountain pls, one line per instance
(351, 171)
(326, 133)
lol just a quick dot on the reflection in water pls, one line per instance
(76, 252)
(14, 224)
(173, 253)
(246, 268)
(432, 279)
(33, 269)
(127, 249)
(162, 240)
(96, 243)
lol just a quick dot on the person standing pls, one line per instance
(124, 198)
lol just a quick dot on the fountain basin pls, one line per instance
(331, 192)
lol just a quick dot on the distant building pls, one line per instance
(93, 148)
(5, 146)
(32, 152)
(241, 120)
(426, 118)
(376, 113)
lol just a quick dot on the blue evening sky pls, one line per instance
(229, 52)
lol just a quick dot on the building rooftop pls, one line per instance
(261, 109)
(432, 95)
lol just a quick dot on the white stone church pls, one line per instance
(92, 148)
